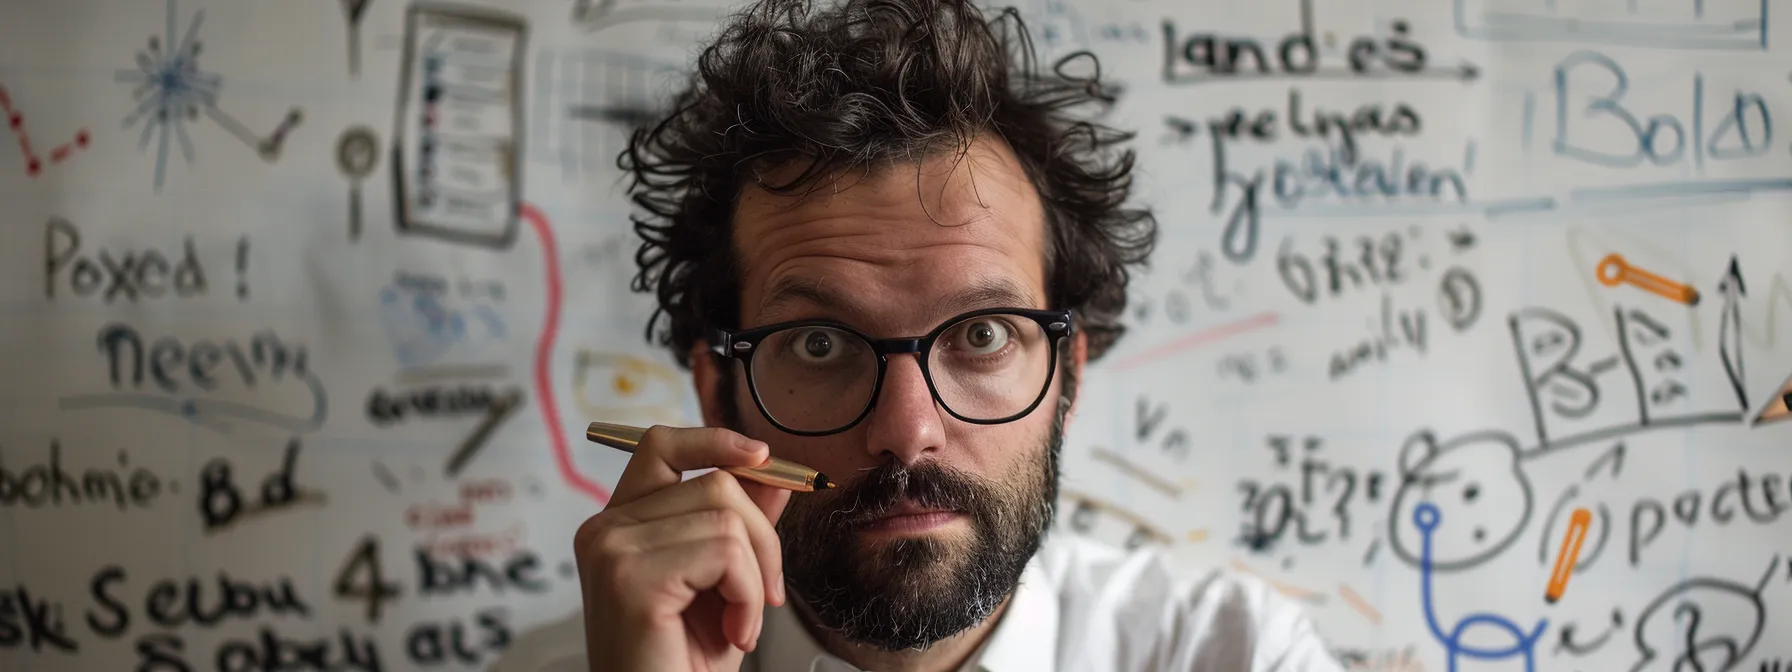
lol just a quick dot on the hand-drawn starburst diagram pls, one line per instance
(171, 90)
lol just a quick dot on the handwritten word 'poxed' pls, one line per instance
(113, 274)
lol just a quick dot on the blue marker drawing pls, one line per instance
(170, 89)
(211, 414)
(1427, 517)
(423, 329)
(1725, 25)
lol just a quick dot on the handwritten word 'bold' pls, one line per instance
(173, 603)
(266, 355)
(1744, 129)
(32, 623)
(129, 274)
(37, 485)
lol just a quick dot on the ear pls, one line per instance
(1079, 355)
(706, 378)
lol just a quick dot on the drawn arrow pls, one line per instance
(1729, 336)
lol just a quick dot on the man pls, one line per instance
(886, 251)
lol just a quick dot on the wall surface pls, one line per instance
(1459, 306)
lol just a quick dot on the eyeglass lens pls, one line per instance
(816, 379)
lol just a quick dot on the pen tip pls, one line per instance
(822, 482)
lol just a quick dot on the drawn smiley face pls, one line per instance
(1478, 484)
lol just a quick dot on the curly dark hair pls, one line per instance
(866, 83)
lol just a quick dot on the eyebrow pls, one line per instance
(990, 292)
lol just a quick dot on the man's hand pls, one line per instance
(675, 573)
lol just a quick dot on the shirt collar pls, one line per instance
(1021, 642)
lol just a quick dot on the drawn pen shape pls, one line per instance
(1576, 535)
(1781, 408)
(1613, 270)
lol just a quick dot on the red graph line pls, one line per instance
(544, 351)
(16, 121)
(1197, 339)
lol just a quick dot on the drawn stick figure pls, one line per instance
(1427, 518)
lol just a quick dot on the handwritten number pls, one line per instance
(364, 565)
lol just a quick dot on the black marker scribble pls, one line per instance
(1565, 642)
(1681, 639)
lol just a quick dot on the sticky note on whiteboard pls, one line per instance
(456, 169)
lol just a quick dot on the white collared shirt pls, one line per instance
(1081, 605)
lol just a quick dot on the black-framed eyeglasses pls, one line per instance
(820, 377)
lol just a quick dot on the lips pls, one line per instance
(909, 516)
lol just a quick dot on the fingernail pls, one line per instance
(783, 597)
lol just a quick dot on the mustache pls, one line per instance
(928, 484)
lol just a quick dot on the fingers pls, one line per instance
(666, 452)
(720, 490)
(770, 500)
(681, 570)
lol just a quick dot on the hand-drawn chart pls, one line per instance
(457, 149)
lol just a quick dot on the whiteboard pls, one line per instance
(1466, 327)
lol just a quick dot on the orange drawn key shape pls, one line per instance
(1613, 270)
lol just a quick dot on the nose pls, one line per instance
(905, 423)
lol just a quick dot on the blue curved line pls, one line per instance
(1524, 644)
(206, 412)
(1426, 534)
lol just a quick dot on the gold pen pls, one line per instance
(775, 472)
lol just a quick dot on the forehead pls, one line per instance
(897, 249)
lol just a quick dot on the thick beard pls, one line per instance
(912, 593)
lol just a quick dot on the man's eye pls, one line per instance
(982, 337)
(818, 345)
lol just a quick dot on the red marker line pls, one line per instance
(1196, 339)
(544, 350)
(16, 121)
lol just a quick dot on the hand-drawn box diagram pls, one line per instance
(1724, 25)
(588, 101)
(455, 156)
